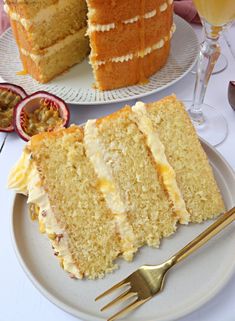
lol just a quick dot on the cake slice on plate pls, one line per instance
(184, 152)
(60, 180)
(123, 149)
(121, 182)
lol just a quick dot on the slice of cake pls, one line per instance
(50, 35)
(183, 150)
(59, 179)
(129, 40)
(122, 182)
(121, 145)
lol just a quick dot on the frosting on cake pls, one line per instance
(165, 169)
(25, 179)
(97, 155)
(56, 47)
(141, 54)
(163, 7)
(93, 27)
(51, 50)
(42, 15)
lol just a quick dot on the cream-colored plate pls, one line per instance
(180, 296)
(76, 85)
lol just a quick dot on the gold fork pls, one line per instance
(148, 280)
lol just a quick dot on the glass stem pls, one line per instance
(209, 54)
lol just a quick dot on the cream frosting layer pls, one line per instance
(21, 173)
(48, 12)
(141, 54)
(24, 178)
(55, 48)
(41, 16)
(60, 45)
(92, 27)
(163, 7)
(166, 171)
(102, 28)
(99, 158)
(14, 16)
(173, 29)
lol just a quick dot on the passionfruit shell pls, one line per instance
(231, 94)
(31, 103)
(17, 90)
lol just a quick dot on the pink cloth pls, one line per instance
(4, 21)
(186, 9)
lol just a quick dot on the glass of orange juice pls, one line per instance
(216, 15)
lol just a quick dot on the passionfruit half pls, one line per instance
(40, 112)
(10, 96)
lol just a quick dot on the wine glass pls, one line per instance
(215, 15)
(220, 66)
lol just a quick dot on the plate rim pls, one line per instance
(134, 96)
(83, 316)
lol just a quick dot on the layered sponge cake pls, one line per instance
(129, 40)
(50, 35)
(132, 175)
(121, 182)
(60, 180)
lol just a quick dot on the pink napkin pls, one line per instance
(4, 21)
(186, 9)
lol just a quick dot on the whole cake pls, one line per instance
(129, 40)
(119, 183)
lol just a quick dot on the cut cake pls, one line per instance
(122, 182)
(50, 35)
(129, 40)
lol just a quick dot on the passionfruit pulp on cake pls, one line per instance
(40, 112)
(10, 96)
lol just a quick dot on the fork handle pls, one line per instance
(223, 221)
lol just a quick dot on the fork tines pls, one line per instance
(127, 309)
(115, 287)
(128, 294)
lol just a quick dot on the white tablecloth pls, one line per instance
(19, 299)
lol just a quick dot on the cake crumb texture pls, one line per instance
(135, 172)
(183, 149)
(71, 183)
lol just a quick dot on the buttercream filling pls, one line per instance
(172, 31)
(42, 15)
(47, 13)
(92, 27)
(60, 45)
(144, 123)
(55, 48)
(163, 7)
(98, 156)
(24, 178)
(138, 54)
(99, 27)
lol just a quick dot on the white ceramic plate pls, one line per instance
(75, 86)
(180, 296)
